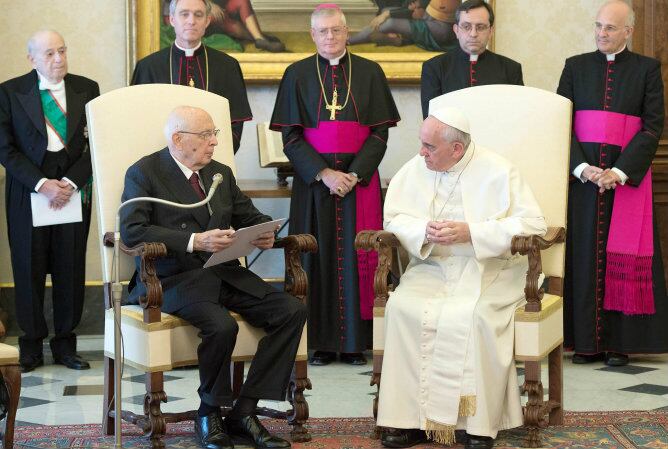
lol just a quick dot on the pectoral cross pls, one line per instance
(191, 83)
(334, 106)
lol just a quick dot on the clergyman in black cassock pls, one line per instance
(189, 62)
(335, 144)
(608, 85)
(470, 63)
(39, 151)
(205, 296)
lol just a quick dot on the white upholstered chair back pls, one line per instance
(126, 124)
(531, 128)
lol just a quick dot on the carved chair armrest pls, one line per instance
(382, 242)
(296, 282)
(148, 252)
(531, 246)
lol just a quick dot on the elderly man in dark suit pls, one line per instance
(205, 296)
(44, 149)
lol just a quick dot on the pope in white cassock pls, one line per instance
(449, 333)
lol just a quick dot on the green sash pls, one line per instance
(55, 117)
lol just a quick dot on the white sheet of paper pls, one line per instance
(242, 244)
(43, 215)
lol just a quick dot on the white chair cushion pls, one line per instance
(173, 342)
(9, 355)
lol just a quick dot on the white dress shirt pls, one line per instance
(188, 173)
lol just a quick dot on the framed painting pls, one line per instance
(265, 36)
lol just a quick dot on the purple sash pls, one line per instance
(348, 137)
(630, 248)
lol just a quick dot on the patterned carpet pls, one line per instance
(600, 430)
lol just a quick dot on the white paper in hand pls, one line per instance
(43, 215)
(242, 242)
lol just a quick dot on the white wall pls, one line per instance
(538, 33)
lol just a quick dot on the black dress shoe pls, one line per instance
(353, 358)
(322, 358)
(616, 359)
(72, 361)
(403, 437)
(211, 432)
(250, 430)
(478, 442)
(581, 359)
(30, 362)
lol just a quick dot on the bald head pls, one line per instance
(614, 26)
(48, 54)
(191, 137)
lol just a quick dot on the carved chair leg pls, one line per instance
(155, 394)
(237, 378)
(298, 416)
(556, 383)
(108, 396)
(12, 376)
(375, 380)
(534, 410)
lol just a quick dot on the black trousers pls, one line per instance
(61, 251)
(281, 315)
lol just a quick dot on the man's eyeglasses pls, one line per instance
(336, 31)
(204, 135)
(479, 27)
(607, 28)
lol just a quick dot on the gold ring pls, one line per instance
(339, 189)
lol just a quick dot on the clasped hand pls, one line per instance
(447, 232)
(57, 191)
(339, 183)
(605, 179)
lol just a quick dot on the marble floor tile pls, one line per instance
(54, 394)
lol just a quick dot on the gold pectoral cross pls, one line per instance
(191, 83)
(334, 106)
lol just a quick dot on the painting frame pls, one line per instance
(143, 19)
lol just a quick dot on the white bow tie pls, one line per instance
(48, 85)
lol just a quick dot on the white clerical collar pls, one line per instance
(188, 51)
(45, 84)
(186, 171)
(463, 162)
(473, 58)
(611, 56)
(335, 61)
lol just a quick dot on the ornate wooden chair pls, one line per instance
(531, 128)
(125, 125)
(11, 375)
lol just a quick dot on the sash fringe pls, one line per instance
(467, 405)
(445, 433)
(441, 433)
(628, 284)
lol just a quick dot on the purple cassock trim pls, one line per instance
(349, 137)
(630, 246)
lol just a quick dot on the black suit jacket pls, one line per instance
(183, 278)
(23, 142)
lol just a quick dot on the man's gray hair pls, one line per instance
(32, 42)
(177, 121)
(630, 17)
(173, 3)
(326, 12)
(452, 135)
